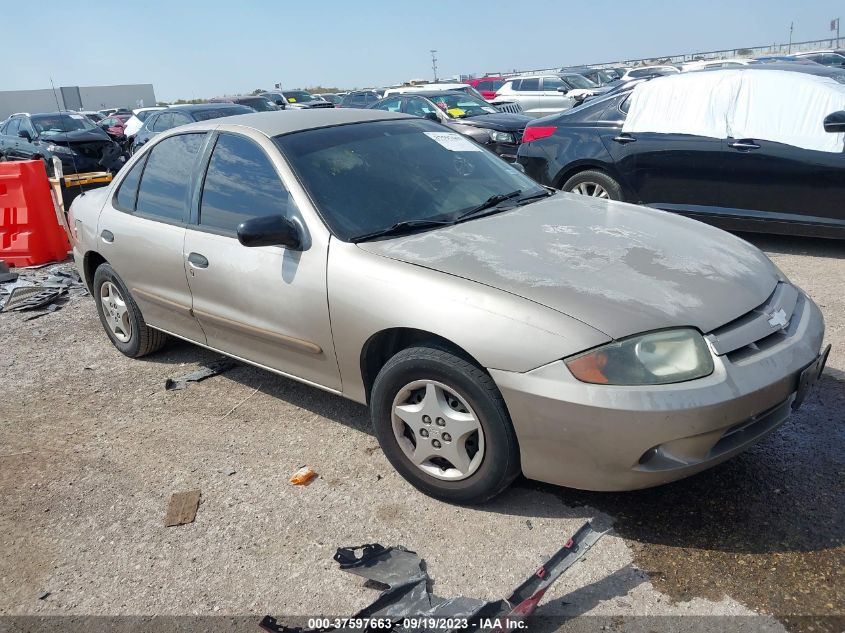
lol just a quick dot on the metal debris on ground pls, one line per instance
(211, 369)
(303, 476)
(182, 508)
(408, 594)
(31, 297)
(33, 288)
(5, 274)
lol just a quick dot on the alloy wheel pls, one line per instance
(592, 189)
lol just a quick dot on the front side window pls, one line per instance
(418, 106)
(13, 127)
(370, 176)
(163, 122)
(553, 83)
(391, 105)
(241, 183)
(577, 81)
(166, 183)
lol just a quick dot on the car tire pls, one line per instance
(121, 318)
(596, 184)
(413, 382)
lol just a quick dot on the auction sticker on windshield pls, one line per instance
(453, 142)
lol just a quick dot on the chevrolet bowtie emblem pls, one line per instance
(778, 319)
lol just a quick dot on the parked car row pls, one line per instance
(778, 166)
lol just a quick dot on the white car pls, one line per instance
(502, 105)
(648, 71)
(539, 95)
(134, 123)
(708, 64)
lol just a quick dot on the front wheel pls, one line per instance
(595, 184)
(443, 425)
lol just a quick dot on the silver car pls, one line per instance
(492, 326)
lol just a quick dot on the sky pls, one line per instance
(207, 48)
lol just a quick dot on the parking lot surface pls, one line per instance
(92, 446)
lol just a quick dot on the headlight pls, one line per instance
(60, 149)
(501, 137)
(657, 358)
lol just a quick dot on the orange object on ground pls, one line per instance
(30, 233)
(302, 476)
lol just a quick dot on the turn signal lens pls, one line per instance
(657, 358)
(532, 133)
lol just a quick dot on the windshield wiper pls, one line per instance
(491, 202)
(401, 227)
(534, 196)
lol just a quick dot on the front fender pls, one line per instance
(369, 293)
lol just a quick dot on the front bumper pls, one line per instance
(600, 437)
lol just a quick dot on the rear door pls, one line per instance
(142, 231)
(551, 99)
(266, 304)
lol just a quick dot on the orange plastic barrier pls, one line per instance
(29, 230)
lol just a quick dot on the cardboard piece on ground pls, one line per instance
(182, 508)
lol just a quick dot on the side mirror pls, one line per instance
(835, 122)
(518, 167)
(432, 116)
(25, 134)
(273, 230)
(563, 89)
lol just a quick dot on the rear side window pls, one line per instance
(166, 182)
(241, 183)
(127, 193)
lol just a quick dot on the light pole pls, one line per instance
(789, 50)
(434, 63)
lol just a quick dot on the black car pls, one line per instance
(72, 138)
(163, 120)
(295, 99)
(599, 76)
(739, 184)
(331, 97)
(257, 103)
(473, 117)
(359, 99)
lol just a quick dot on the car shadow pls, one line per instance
(784, 494)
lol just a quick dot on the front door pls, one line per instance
(142, 231)
(552, 95)
(267, 304)
(775, 181)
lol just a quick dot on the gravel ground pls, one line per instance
(92, 447)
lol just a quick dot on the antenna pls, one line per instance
(67, 140)
(434, 63)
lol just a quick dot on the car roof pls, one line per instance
(193, 107)
(809, 69)
(287, 121)
(432, 93)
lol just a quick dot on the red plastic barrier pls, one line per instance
(29, 231)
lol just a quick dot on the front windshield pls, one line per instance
(47, 124)
(298, 96)
(367, 177)
(462, 106)
(578, 81)
(607, 76)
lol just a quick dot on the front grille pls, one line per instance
(512, 107)
(765, 326)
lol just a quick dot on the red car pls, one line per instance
(115, 124)
(487, 86)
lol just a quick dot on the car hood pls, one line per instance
(620, 268)
(501, 122)
(76, 136)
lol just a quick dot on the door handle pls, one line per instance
(197, 261)
(107, 236)
(744, 145)
(624, 138)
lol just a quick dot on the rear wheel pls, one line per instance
(595, 184)
(121, 318)
(443, 425)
